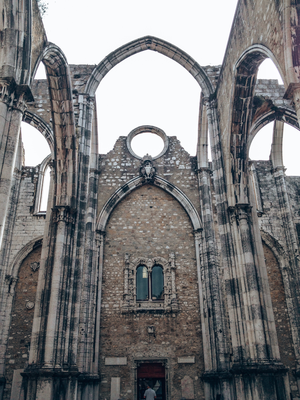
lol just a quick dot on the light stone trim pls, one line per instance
(115, 388)
(186, 360)
(115, 360)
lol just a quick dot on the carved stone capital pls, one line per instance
(243, 211)
(100, 235)
(203, 169)
(279, 171)
(198, 234)
(13, 95)
(63, 214)
(239, 212)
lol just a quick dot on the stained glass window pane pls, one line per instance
(157, 283)
(142, 283)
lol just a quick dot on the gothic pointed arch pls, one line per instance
(23, 253)
(42, 126)
(285, 115)
(241, 119)
(159, 182)
(154, 44)
(60, 91)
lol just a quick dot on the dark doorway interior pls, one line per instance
(152, 374)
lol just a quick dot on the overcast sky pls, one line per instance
(148, 88)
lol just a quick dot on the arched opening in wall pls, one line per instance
(260, 147)
(35, 145)
(148, 89)
(40, 72)
(268, 80)
(268, 70)
(45, 190)
(147, 143)
(209, 157)
(290, 150)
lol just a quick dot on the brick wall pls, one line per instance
(281, 316)
(149, 223)
(22, 317)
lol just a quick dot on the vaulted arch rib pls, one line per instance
(154, 44)
(137, 182)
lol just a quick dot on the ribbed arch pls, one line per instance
(60, 91)
(154, 44)
(241, 115)
(137, 182)
(281, 114)
(38, 123)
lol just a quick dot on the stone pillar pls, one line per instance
(13, 99)
(51, 370)
(255, 368)
(216, 353)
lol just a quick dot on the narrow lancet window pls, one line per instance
(142, 283)
(157, 283)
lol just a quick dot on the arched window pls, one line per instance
(142, 283)
(157, 283)
(149, 283)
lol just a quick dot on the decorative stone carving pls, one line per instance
(14, 95)
(29, 305)
(35, 266)
(130, 304)
(63, 214)
(147, 171)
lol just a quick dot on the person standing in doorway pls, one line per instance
(149, 394)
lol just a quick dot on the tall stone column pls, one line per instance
(13, 99)
(215, 346)
(256, 370)
(51, 370)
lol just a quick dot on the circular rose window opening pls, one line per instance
(147, 140)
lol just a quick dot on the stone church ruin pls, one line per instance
(170, 271)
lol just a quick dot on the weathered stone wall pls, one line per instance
(21, 317)
(283, 327)
(119, 166)
(27, 226)
(150, 223)
(255, 22)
